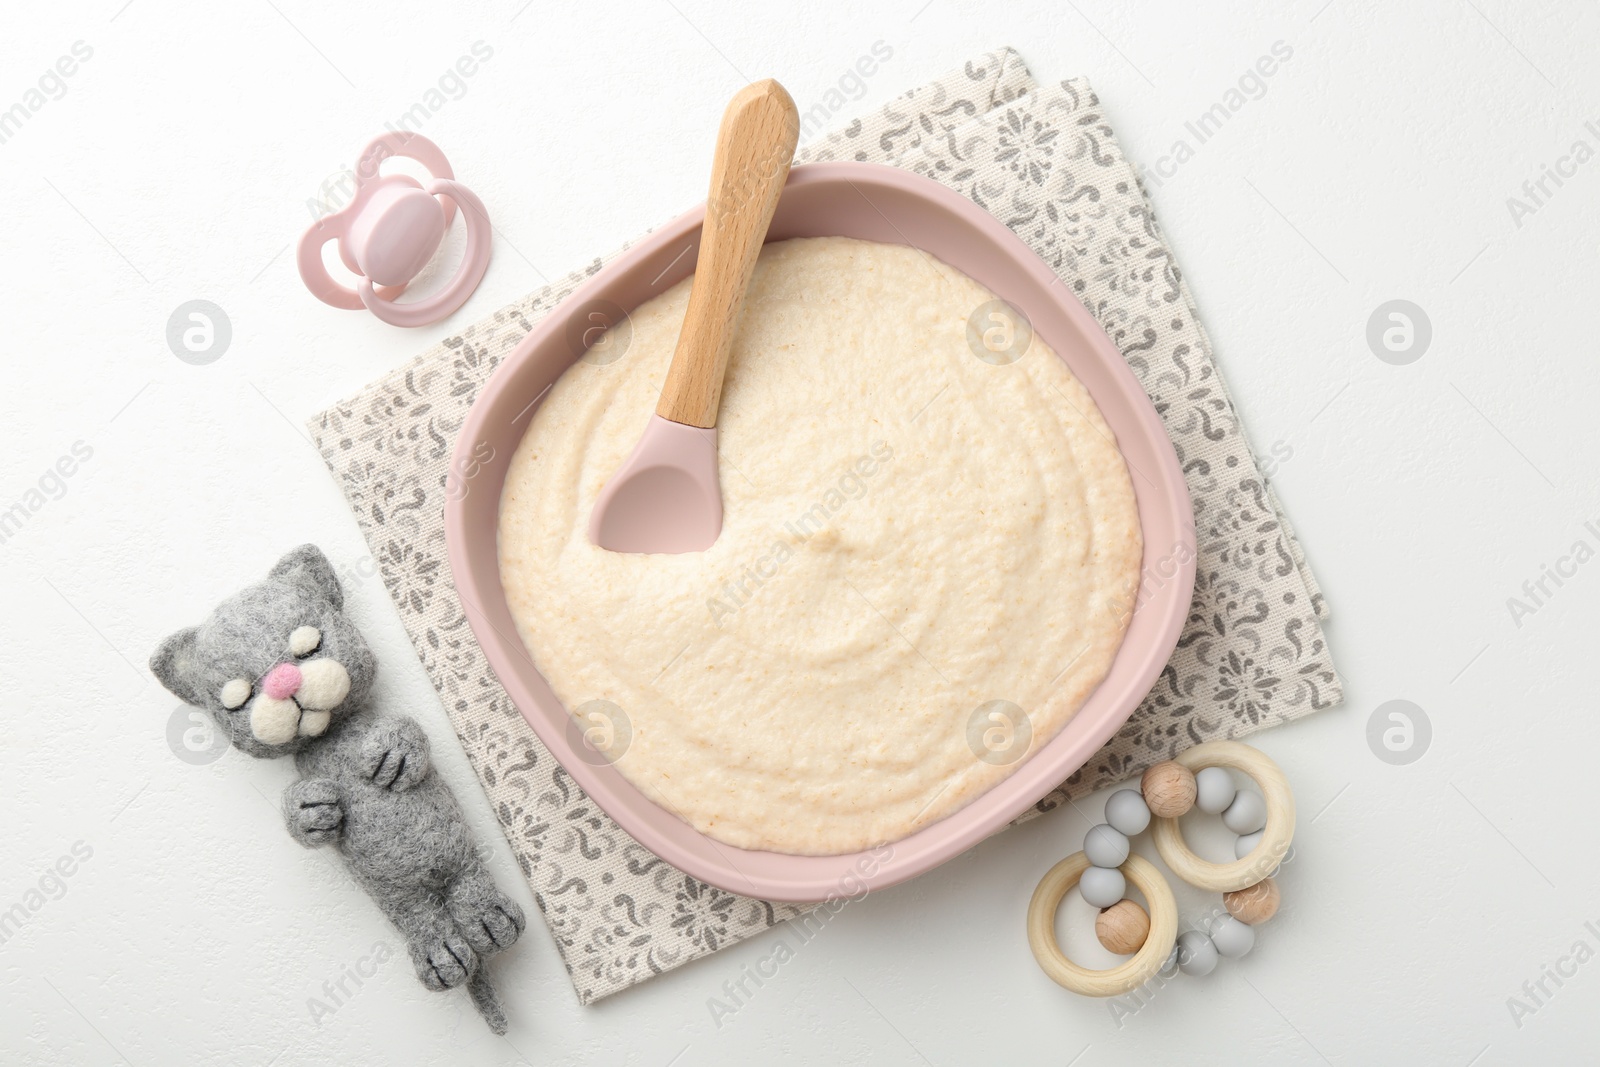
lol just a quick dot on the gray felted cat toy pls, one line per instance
(283, 671)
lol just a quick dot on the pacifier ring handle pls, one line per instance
(473, 264)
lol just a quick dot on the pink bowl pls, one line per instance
(873, 203)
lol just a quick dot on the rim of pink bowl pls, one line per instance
(876, 203)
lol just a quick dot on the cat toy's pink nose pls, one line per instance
(282, 681)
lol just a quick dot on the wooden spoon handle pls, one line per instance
(754, 149)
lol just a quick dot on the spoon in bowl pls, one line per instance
(667, 497)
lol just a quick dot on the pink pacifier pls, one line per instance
(390, 230)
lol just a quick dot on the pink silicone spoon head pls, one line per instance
(666, 497)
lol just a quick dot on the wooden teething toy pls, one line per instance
(1197, 777)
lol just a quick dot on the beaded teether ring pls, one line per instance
(1198, 777)
(1277, 818)
(1148, 958)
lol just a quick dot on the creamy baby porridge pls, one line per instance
(910, 535)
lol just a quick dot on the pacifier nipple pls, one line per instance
(397, 233)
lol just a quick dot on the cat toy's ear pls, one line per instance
(308, 567)
(173, 664)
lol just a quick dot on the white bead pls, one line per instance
(1246, 844)
(1232, 938)
(1247, 813)
(1127, 812)
(1214, 790)
(1196, 954)
(1105, 846)
(1102, 886)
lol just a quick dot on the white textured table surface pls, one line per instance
(1436, 911)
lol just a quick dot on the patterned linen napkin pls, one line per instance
(1043, 160)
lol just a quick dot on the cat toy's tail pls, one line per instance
(487, 1001)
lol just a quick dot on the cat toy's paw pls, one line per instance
(314, 811)
(491, 922)
(443, 961)
(395, 755)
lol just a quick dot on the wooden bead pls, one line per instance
(1122, 927)
(1169, 789)
(1254, 904)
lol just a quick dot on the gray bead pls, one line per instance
(1127, 812)
(1102, 886)
(1170, 968)
(1105, 846)
(1232, 938)
(1246, 844)
(1214, 790)
(1247, 813)
(1197, 956)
